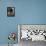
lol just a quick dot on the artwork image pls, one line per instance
(33, 32)
(10, 11)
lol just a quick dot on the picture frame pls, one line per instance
(10, 11)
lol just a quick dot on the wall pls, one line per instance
(7, 24)
(31, 11)
(27, 12)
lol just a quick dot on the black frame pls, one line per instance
(10, 11)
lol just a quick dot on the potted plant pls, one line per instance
(11, 37)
